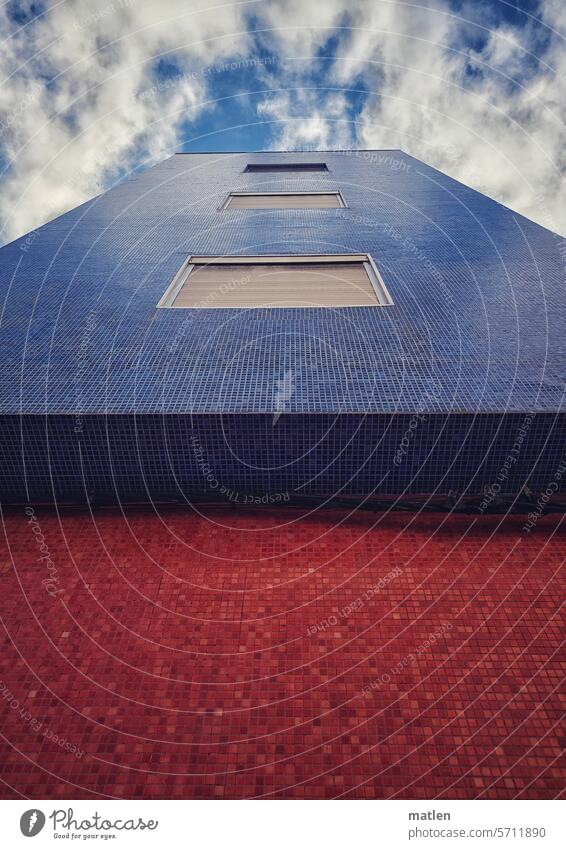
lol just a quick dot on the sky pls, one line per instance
(94, 89)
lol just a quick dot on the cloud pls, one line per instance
(481, 99)
(93, 89)
(309, 118)
(78, 103)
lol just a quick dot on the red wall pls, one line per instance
(269, 653)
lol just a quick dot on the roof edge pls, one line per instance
(294, 152)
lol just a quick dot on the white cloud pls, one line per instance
(492, 116)
(310, 119)
(65, 141)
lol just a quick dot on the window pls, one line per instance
(285, 166)
(347, 280)
(284, 200)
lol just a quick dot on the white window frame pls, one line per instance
(341, 202)
(382, 295)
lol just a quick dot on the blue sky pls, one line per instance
(93, 89)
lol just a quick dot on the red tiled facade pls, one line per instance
(274, 654)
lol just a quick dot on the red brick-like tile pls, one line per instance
(266, 653)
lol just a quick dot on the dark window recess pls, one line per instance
(290, 166)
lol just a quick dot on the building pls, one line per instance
(265, 323)
(255, 327)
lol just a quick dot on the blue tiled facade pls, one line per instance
(97, 382)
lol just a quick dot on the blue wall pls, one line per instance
(173, 456)
(477, 325)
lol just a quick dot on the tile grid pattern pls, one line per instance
(476, 326)
(144, 457)
(474, 336)
(276, 655)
